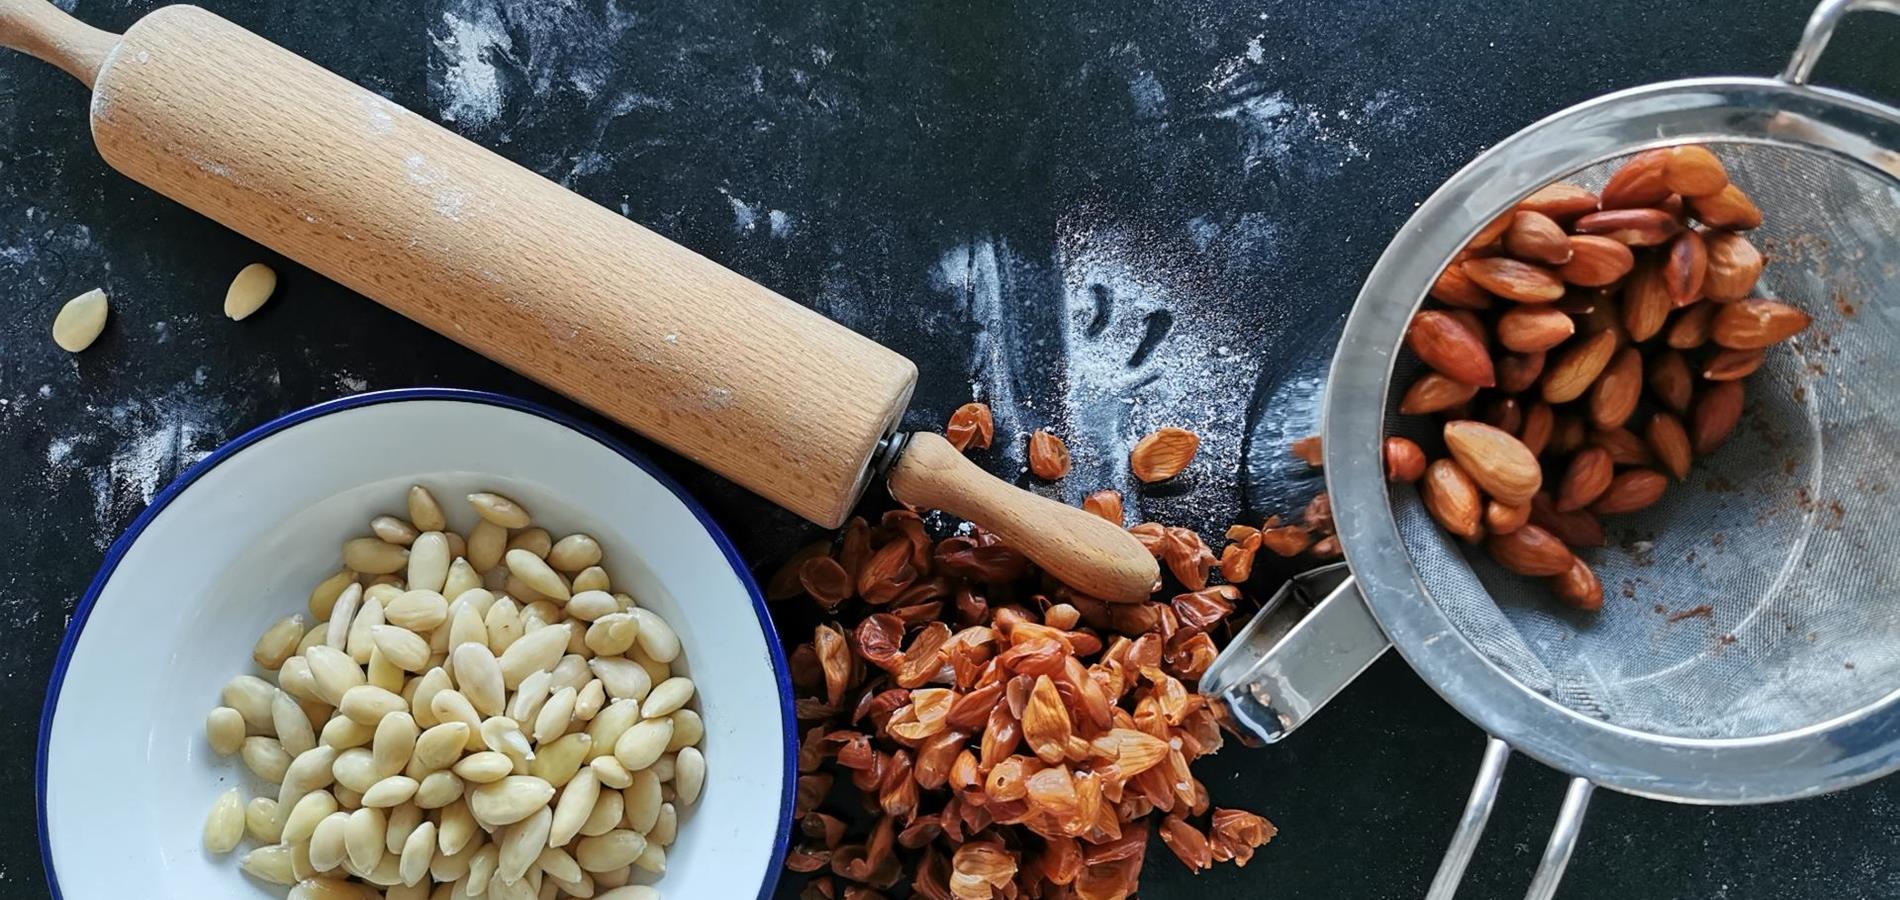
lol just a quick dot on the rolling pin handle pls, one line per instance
(41, 30)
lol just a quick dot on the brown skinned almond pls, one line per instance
(1536, 430)
(1455, 288)
(1734, 266)
(1452, 498)
(1685, 268)
(1514, 280)
(1504, 414)
(1690, 327)
(1728, 208)
(1626, 449)
(1516, 372)
(1630, 491)
(1448, 345)
(1434, 392)
(1404, 461)
(1753, 324)
(1567, 433)
(1646, 302)
(1692, 171)
(1733, 365)
(1613, 397)
(1577, 366)
(1498, 462)
(1603, 313)
(1670, 442)
(1500, 518)
(1716, 412)
(1596, 261)
(1670, 381)
(1534, 329)
(1530, 550)
(1560, 201)
(1639, 227)
(1578, 587)
(1490, 233)
(1639, 182)
(1535, 237)
(1585, 479)
(1579, 529)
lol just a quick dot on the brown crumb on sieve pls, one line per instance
(1700, 611)
(1724, 641)
(1847, 665)
(1721, 485)
(1845, 305)
(1660, 609)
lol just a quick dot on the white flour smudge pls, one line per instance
(379, 115)
(470, 39)
(972, 271)
(1151, 100)
(745, 216)
(780, 222)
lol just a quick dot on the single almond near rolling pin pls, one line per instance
(248, 291)
(1452, 498)
(1754, 324)
(1533, 329)
(1497, 461)
(793, 406)
(1447, 344)
(1535, 237)
(1514, 280)
(1596, 261)
(1734, 266)
(1638, 182)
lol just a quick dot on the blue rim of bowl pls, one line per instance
(119, 547)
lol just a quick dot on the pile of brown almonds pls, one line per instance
(1564, 322)
(1002, 735)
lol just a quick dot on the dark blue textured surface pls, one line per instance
(1106, 216)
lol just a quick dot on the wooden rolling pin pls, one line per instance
(793, 406)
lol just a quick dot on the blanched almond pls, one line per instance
(224, 729)
(589, 606)
(368, 704)
(557, 761)
(521, 845)
(424, 511)
(554, 717)
(666, 697)
(574, 806)
(401, 647)
(535, 572)
(486, 544)
(373, 556)
(656, 638)
(499, 510)
(224, 826)
(270, 865)
(80, 321)
(363, 838)
(417, 850)
(641, 745)
(689, 775)
(390, 792)
(534, 540)
(509, 799)
(265, 758)
(609, 851)
(278, 643)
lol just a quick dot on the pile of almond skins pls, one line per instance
(1588, 347)
(1003, 735)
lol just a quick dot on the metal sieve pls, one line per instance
(1748, 650)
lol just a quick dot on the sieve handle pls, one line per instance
(1821, 27)
(1484, 794)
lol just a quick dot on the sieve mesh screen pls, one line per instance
(1763, 594)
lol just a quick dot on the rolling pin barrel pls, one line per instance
(769, 394)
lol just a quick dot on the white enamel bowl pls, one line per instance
(125, 774)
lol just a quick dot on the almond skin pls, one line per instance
(1733, 365)
(1535, 237)
(1690, 328)
(1533, 329)
(1452, 498)
(1670, 381)
(1578, 587)
(1404, 461)
(1727, 208)
(1500, 518)
(1670, 442)
(1448, 345)
(1560, 201)
(1048, 456)
(1516, 372)
(1639, 227)
(1692, 171)
(1639, 182)
(1577, 367)
(1163, 454)
(1753, 324)
(1613, 397)
(1646, 302)
(1630, 491)
(1514, 280)
(1626, 449)
(1455, 288)
(1498, 462)
(1434, 392)
(1538, 423)
(1734, 266)
(1586, 478)
(1578, 529)
(1596, 261)
(1530, 550)
(1685, 268)
(1716, 413)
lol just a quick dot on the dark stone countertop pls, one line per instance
(1100, 217)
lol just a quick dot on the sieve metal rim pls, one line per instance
(1829, 755)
